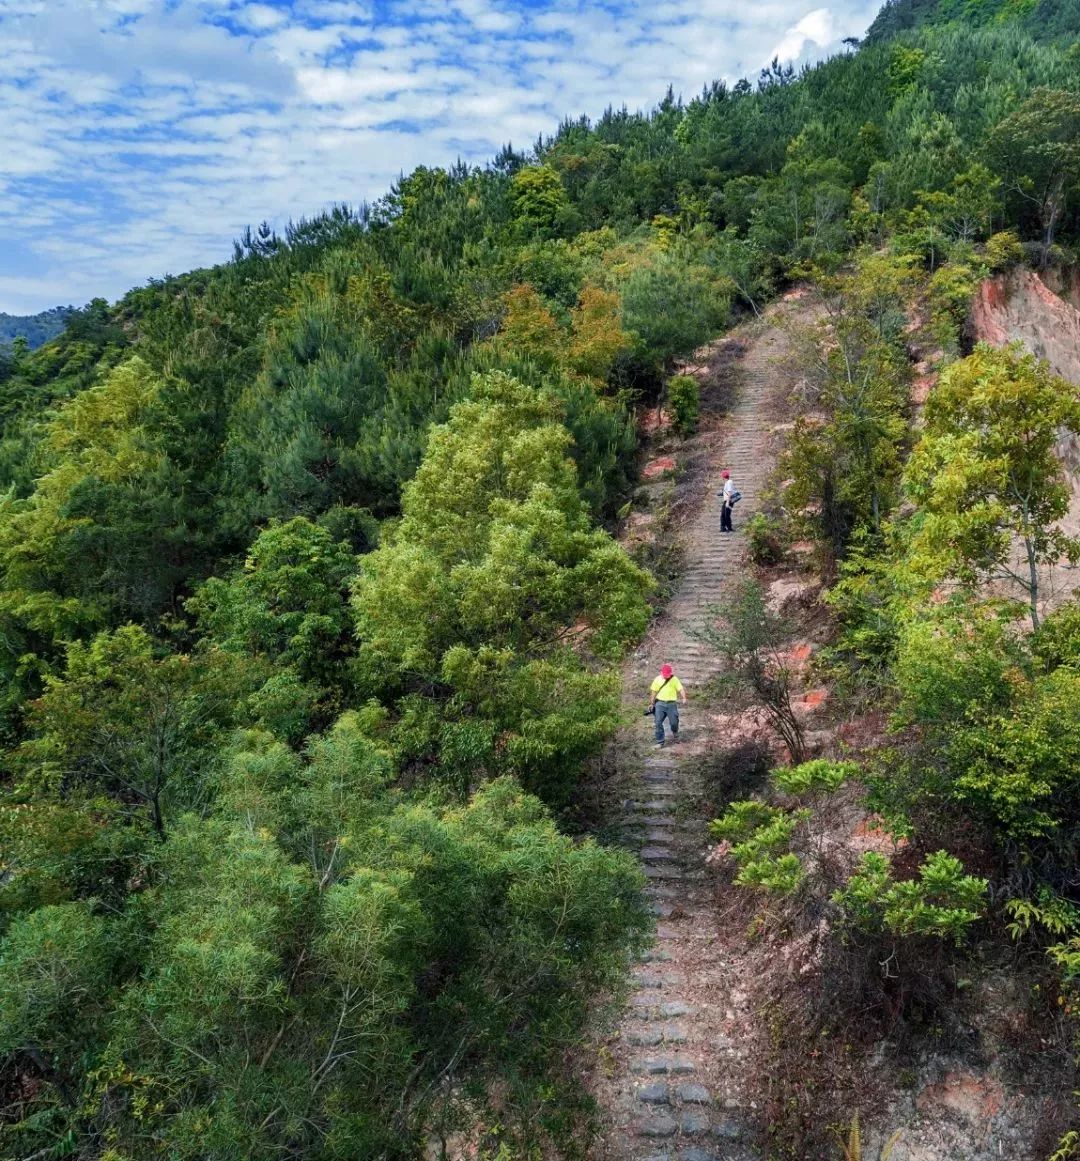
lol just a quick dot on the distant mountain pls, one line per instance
(35, 328)
(1042, 19)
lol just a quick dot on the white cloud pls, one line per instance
(817, 28)
(142, 135)
(261, 16)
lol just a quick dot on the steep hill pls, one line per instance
(313, 610)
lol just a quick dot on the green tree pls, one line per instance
(490, 586)
(122, 721)
(102, 526)
(844, 457)
(673, 306)
(965, 211)
(288, 602)
(539, 198)
(985, 473)
(1037, 151)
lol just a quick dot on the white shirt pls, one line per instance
(729, 487)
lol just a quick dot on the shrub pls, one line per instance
(1047, 912)
(734, 773)
(818, 776)
(748, 636)
(54, 971)
(761, 835)
(742, 819)
(684, 395)
(955, 661)
(942, 902)
(952, 288)
(764, 538)
(1004, 250)
(777, 874)
(1057, 640)
(1018, 772)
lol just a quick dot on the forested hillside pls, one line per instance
(34, 328)
(311, 604)
(1043, 18)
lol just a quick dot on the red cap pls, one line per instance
(666, 671)
(726, 475)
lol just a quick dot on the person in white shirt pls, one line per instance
(726, 505)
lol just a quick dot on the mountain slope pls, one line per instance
(35, 328)
(1043, 19)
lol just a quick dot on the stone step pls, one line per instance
(656, 1128)
(655, 1093)
(655, 980)
(693, 1094)
(662, 1066)
(693, 1124)
(695, 1153)
(645, 1037)
(653, 1035)
(691, 1153)
(651, 1007)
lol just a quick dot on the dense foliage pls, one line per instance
(309, 611)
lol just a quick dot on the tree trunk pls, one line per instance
(1052, 208)
(1033, 581)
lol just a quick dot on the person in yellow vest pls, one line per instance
(664, 695)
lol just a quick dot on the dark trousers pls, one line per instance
(725, 517)
(670, 711)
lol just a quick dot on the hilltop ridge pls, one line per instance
(1044, 19)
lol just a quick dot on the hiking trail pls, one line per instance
(676, 1086)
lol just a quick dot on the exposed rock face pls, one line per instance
(1065, 284)
(1020, 306)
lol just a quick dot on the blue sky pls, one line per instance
(141, 136)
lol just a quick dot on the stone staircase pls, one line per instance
(677, 1089)
(714, 558)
